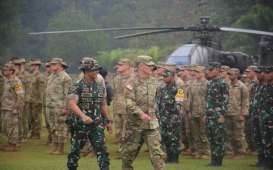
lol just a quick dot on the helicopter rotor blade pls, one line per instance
(150, 33)
(249, 31)
(102, 29)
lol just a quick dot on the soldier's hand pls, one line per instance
(109, 128)
(221, 119)
(86, 120)
(143, 116)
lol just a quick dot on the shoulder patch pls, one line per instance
(19, 88)
(180, 95)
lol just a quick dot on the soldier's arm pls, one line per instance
(245, 100)
(225, 98)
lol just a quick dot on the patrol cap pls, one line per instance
(168, 73)
(64, 64)
(147, 60)
(8, 66)
(89, 64)
(225, 68)
(213, 65)
(19, 61)
(234, 71)
(168, 66)
(124, 61)
(56, 61)
(258, 69)
(198, 68)
(35, 62)
(251, 68)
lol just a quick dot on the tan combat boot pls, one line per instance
(10, 148)
(60, 150)
(54, 148)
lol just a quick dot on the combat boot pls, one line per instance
(212, 161)
(10, 148)
(60, 149)
(218, 161)
(54, 148)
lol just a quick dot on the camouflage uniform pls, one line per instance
(24, 76)
(266, 122)
(12, 104)
(248, 122)
(169, 98)
(255, 109)
(197, 103)
(216, 106)
(140, 97)
(36, 99)
(57, 89)
(235, 125)
(89, 99)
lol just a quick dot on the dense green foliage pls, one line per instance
(18, 17)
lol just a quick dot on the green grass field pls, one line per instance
(34, 156)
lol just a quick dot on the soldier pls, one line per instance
(224, 73)
(235, 116)
(216, 108)
(57, 88)
(256, 108)
(251, 84)
(197, 103)
(47, 124)
(266, 120)
(169, 98)
(87, 100)
(36, 99)
(142, 124)
(184, 75)
(24, 76)
(124, 74)
(12, 104)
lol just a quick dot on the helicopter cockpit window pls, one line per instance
(181, 56)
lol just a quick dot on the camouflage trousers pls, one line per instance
(257, 135)
(35, 119)
(120, 123)
(24, 121)
(200, 140)
(266, 128)
(57, 126)
(186, 136)
(134, 139)
(171, 138)
(97, 139)
(235, 139)
(216, 137)
(12, 126)
(249, 134)
(49, 138)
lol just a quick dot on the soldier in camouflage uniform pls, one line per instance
(142, 124)
(124, 74)
(36, 99)
(24, 76)
(216, 108)
(12, 105)
(251, 84)
(169, 98)
(266, 119)
(58, 85)
(235, 116)
(184, 75)
(255, 109)
(87, 100)
(197, 103)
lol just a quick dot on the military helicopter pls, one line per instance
(200, 52)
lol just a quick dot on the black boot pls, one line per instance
(212, 161)
(219, 161)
